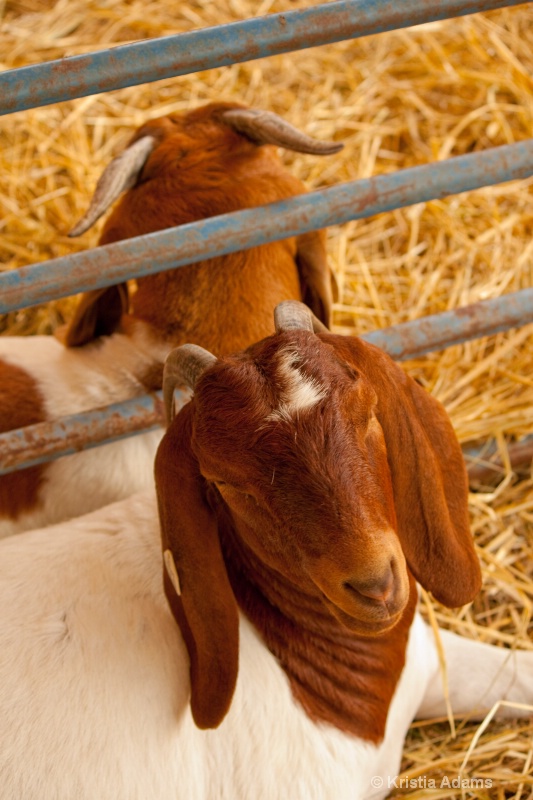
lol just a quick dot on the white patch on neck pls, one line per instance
(298, 392)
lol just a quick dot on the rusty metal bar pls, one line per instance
(182, 54)
(45, 441)
(175, 247)
(438, 331)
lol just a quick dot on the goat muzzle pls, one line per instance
(380, 589)
(369, 602)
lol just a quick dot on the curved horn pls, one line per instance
(183, 367)
(265, 127)
(119, 175)
(292, 315)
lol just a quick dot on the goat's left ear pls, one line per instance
(98, 314)
(195, 578)
(316, 278)
(429, 479)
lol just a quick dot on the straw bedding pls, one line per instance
(396, 100)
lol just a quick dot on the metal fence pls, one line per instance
(182, 54)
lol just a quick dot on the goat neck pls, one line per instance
(338, 676)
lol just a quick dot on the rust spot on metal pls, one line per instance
(365, 199)
(54, 438)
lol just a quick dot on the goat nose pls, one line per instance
(379, 588)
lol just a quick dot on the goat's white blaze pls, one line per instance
(298, 392)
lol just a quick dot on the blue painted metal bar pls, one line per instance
(181, 54)
(435, 332)
(45, 441)
(216, 236)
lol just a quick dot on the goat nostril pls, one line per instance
(376, 589)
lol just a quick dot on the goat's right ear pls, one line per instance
(195, 578)
(98, 314)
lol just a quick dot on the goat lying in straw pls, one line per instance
(302, 491)
(177, 169)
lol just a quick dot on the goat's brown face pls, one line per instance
(322, 467)
(288, 438)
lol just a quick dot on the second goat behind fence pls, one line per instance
(301, 492)
(177, 169)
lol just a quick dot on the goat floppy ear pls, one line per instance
(316, 278)
(450, 547)
(195, 578)
(428, 476)
(98, 314)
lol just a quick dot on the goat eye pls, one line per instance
(234, 492)
(225, 486)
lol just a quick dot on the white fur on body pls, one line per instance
(70, 381)
(94, 686)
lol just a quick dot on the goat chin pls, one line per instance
(365, 627)
(94, 684)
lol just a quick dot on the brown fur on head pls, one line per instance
(203, 164)
(323, 464)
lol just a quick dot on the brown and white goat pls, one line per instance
(316, 482)
(301, 492)
(177, 169)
